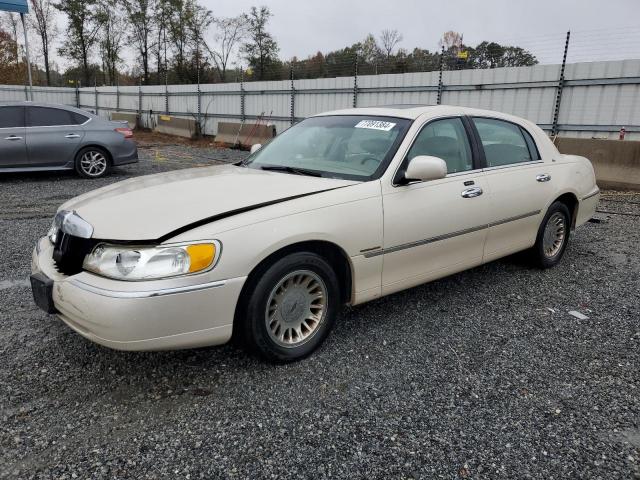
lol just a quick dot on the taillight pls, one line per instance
(127, 132)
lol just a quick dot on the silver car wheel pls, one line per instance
(296, 308)
(93, 163)
(554, 234)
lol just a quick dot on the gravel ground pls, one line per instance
(480, 375)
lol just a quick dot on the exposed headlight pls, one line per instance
(124, 262)
(69, 222)
(52, 234)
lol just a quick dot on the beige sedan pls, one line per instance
(342, 208)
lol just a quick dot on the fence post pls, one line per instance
(95, 90)
(556, 111)
(140, 102)
(77, 93)
(199, 105)
(166, 93)
(439, 99)
(117, 95)
(242, 114)
(355, 83)
(293, 98)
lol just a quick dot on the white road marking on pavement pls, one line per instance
(7, 284)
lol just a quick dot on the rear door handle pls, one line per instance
(543, 177)
(471, 192)
(13, 137)
(72, 135)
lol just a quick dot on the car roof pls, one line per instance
(412, 111)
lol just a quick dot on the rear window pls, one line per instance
(11, 117)
(50, 117)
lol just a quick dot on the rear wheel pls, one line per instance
(553, 236)
(92, 162)
(291, 307)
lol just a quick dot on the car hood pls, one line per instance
(155, 206)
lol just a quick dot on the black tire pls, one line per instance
(251, 322)
(538, 255)
(84, 171)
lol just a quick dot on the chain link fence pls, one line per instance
(572, 99)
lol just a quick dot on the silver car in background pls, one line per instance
(39, 136)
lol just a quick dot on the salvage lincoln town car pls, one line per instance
(344, 207)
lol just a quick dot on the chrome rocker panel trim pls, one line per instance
(404, 246)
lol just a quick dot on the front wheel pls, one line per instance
(553, 236)
(291, 308)
(92, 162)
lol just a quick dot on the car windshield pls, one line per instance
(353, 147)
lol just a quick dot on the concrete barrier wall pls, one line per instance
(244, 134)
(182, 127)
(616, 162)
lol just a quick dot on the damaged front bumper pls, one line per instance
(186, 312)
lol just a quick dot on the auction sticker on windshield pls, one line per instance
(376, 125)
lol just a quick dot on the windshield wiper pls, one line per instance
(294, 170)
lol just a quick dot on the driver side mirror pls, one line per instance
(255, 147)
(424, 168)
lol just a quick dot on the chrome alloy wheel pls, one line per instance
(93, 163)
(296, 308)
(554, 233)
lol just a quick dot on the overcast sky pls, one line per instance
(303, 27)
(600, 29)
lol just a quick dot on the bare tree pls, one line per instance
(260, 49)
(199, 21)
(389, 40)
(159, 47)
(229, 32)
(13, 24)
(110, 39)
(82, 32)
(43, 21)
(178, 33)
(141, 21)
(450, 39)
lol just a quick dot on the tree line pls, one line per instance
(180, 41)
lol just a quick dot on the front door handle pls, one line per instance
(12, 137)
(471, 192)
(543, 177)
(72, 135)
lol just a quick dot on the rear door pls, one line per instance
(53, 136)
(520, 184)
(13, 150)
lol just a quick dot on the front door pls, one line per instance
(13, 150)
(53, 136)
(435, 228)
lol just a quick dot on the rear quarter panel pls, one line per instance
(102, 134)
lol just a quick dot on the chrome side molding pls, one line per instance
(144, 293)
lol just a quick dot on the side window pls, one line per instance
(446, 139)
(503, 142)
(48, 117)
(533, 148)
(11, 117)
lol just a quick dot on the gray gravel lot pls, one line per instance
(480, 375)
